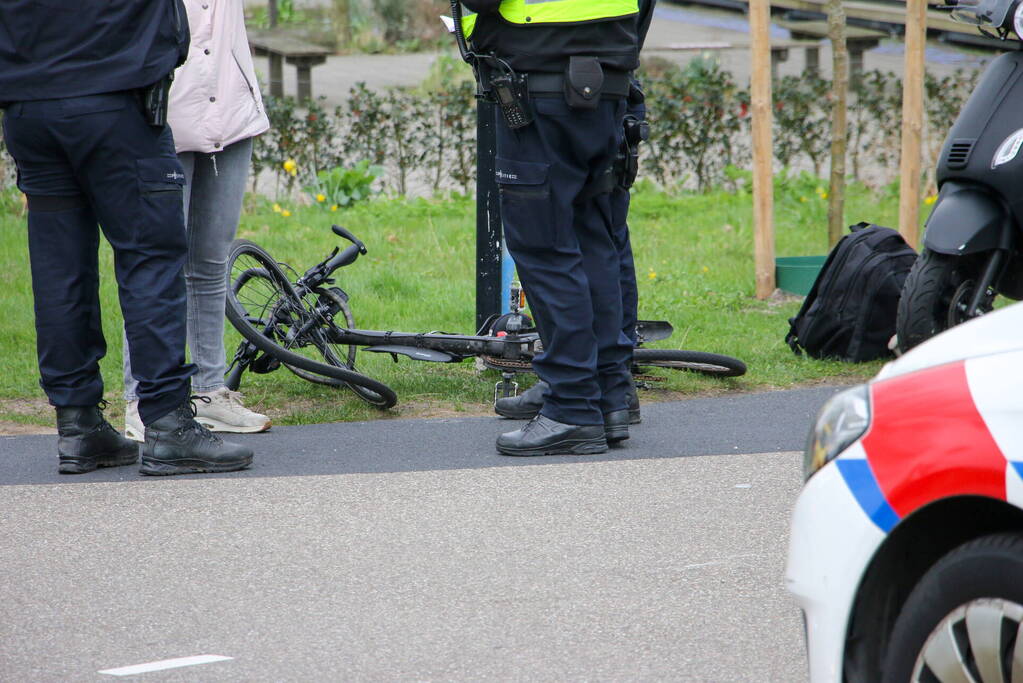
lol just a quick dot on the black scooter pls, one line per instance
(973, 244)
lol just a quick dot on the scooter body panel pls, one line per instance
(967, 219)
(992, 114)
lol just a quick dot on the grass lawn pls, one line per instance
(693, 258)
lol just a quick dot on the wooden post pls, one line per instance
(763, 174)
(912, 120)
(839, 120)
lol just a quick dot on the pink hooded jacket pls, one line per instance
(215, 100)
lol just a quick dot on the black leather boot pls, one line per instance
(527, 405)
(544, 436)
(87, 441)
(616, 426)
(177, 444)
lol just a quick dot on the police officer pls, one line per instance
(559, 69)
(83, 86)
(527, 404)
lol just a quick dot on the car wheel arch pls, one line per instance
(905, 555)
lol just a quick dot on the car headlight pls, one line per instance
(842, 420)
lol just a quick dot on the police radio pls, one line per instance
(513, 98)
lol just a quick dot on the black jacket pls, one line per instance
(547, 47)
(52, 49)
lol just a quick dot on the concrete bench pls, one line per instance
(280, 48)
(857, 40)
(779, 49)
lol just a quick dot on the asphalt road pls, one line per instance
(409, 550)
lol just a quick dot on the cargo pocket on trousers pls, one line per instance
(160, 184)
(526, 209)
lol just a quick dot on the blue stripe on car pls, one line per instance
(861, 481)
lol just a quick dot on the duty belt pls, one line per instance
(616, 84)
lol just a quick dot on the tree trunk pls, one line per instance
(839, 120)
(342, 16)
(912, 120)
(763, 178)
(271, 13)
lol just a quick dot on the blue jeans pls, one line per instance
(214, 189)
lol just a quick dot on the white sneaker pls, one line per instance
(133, 428)
(225, 413)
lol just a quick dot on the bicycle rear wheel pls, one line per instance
(264, 307)
(694, 361)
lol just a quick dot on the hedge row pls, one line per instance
(699, 117)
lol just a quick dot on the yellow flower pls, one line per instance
(277, 208)
(706, 269)
(333, 207)
(652, 275)
(290, 166)
(321, 198)
(824, 195)
(803, 199)
(931, 199)
(285, 213)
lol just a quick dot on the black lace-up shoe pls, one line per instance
(177, 444)
(544, 436)
(527, 405)
(87, 441)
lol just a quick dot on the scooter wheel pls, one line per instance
(936, 296)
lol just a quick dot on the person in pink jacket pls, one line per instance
(215, 111)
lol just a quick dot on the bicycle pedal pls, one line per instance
(501, 390)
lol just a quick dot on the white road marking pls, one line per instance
(723, 560)
(164, 664)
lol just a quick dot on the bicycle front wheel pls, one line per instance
(694, 361)
(265, 308)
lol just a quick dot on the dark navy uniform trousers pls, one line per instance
(620, 201)
(94, 161)
(564, 249)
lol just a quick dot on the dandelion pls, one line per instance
(824, 195)
(285, 213)
(291, 167)
(931, 199)
(277, 208)
(652, 275)
(333, 207)
(321, 198)
(803, 199)
(706, 269)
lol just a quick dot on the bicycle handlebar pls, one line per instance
(344, 232)
(345, 258)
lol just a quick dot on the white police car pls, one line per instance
(906, 553)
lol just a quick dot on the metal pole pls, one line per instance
(489, 236)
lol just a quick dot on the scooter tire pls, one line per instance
(929, 296)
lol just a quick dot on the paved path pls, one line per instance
(409, 550)
(671, 24)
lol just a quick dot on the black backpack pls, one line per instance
(850, 312)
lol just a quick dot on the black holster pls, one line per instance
(155, 99)
(627, 163)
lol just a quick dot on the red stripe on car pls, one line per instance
(928, 441)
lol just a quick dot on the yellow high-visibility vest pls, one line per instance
(529, 12)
